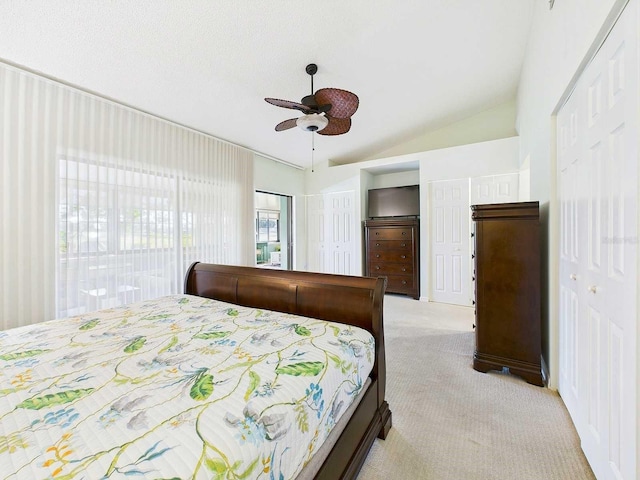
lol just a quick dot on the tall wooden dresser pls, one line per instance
(392, 246)
(507, 289)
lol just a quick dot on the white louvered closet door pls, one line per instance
(598, 193)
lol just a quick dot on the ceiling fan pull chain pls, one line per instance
(313, 149)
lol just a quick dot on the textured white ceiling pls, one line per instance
(416, 65)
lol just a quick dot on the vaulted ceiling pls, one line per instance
(415, 65)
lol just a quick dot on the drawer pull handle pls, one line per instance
(403, 244)
(377, 244)
(377, 267)
(377, 233)
(404, 269)
(593, 289)
(573, 276)
(377, 255)
(404, 282)
(404, 233)
(403, 256)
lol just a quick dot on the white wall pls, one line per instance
(560, 40)
(275, 177)
(475, 160)
(491, 124)
(524, 187)
(398, 179)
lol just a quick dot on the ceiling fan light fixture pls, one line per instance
(312, 122)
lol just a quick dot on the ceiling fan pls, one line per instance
(327, 112)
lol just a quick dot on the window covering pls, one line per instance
(103, 205)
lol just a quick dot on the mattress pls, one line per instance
(178, 387)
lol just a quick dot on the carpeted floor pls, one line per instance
(451, 422)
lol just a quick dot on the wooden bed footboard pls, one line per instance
(351, 300)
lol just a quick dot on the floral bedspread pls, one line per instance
(180, 387)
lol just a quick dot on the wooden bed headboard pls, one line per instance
(339, 298)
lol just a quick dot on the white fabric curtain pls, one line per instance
(103, 205)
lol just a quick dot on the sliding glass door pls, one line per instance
(274, 241)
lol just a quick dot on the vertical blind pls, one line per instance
(103, 205)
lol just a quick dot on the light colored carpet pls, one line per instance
(451, 422)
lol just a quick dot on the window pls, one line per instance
(268, 226)
(126, 234)
(116, 230)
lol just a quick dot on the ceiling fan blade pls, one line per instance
(287, 104)
(336, 126)
(343, 103)
(286, 125)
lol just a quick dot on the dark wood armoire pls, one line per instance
(392, 250)
(507, 289)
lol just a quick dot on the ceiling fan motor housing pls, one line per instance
(312, 122)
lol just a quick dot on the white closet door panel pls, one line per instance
(619, 228)
(574, 336)
(495, 189)
(570, 123)
(506, 188)
(620, 285)
(482, 191)
(593, 380)
(331, 238)
(343, 245)
(439, 284)
(450, 217)
(596, 205)
(618, 424)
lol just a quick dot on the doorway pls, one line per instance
(274, 244)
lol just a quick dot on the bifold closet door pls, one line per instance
(598, 194)
(331, 233)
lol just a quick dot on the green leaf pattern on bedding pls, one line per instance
(179, 387)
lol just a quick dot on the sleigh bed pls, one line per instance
(251, 373)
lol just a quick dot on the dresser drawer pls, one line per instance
(399, 284)
(394, 256)
(376, 269)
(376, 244)
(381, 233)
